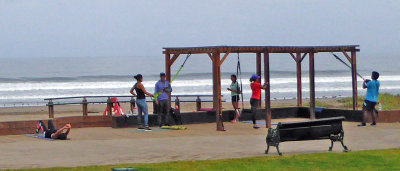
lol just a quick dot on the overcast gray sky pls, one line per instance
(71, 28)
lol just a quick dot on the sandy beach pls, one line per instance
(41, 112)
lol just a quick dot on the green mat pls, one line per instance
(154, 130)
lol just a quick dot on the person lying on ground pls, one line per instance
(52, 132)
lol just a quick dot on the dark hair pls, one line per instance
(252, 79)
(138, 77)
(62, 136)
(234, 76)
(375, 75)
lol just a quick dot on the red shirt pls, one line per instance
(256, 88)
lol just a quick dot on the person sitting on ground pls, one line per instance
(235, 91)
(141, 102)
(52, 132)
(256, 96)
(371, 98)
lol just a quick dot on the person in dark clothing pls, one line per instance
(162, 90)
(255, 97)
(52, 132)
(141, 102)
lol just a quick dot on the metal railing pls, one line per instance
(50, 104)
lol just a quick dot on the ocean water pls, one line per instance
(27, 81)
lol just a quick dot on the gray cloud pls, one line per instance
(48, 28)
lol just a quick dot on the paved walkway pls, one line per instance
(104, 146)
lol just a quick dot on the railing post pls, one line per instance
(109, 106)
(198, 103)
(85, 107)
(51, 109)
(133, 105)
(177, 103)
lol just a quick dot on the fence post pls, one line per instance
(198, 103)
(133, 105)
(85, 107)
(109, 106)
(51, 109)
(177, 104)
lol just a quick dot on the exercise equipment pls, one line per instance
(174, 127)
(175, 76)
(239, 74)
(337, 57)
(117, 109)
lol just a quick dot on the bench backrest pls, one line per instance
(310, 130)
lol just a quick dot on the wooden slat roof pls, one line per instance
(260, 49)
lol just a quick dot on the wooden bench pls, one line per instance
(328, 128)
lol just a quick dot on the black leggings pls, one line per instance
(50, 123)
(254, 106)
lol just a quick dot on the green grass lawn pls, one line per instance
(360, 160)
(388, 101)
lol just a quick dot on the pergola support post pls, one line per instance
(298, 71)
(217, 102)
(312, 85)
(168, 71)
(267, 91)
(258, 66)
(354, 79)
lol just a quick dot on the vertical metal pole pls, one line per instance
(312, 86)
(258, 66)
(267, 91)
(177, 104)
(354, 79)
(132, 105)
(85, 107)
(298, 67)
(198, 103)
(51, 109)
(217, 90)
(109, 106)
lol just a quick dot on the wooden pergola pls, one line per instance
(298, 53)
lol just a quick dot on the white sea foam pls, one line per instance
(34, 86)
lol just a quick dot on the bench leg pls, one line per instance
(266, 151)
(330, 148)
(345, 147)
(341, 141)
(277, 148)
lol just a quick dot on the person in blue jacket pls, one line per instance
(163, 88)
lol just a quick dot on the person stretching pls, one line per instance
(52, 132)
(141, 102)
(255, 97)
(235, 91)
(371, 98)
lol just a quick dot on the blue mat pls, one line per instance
(41, 136)
(154, 130)
(258, 122)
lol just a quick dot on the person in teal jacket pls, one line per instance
(371, 98)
